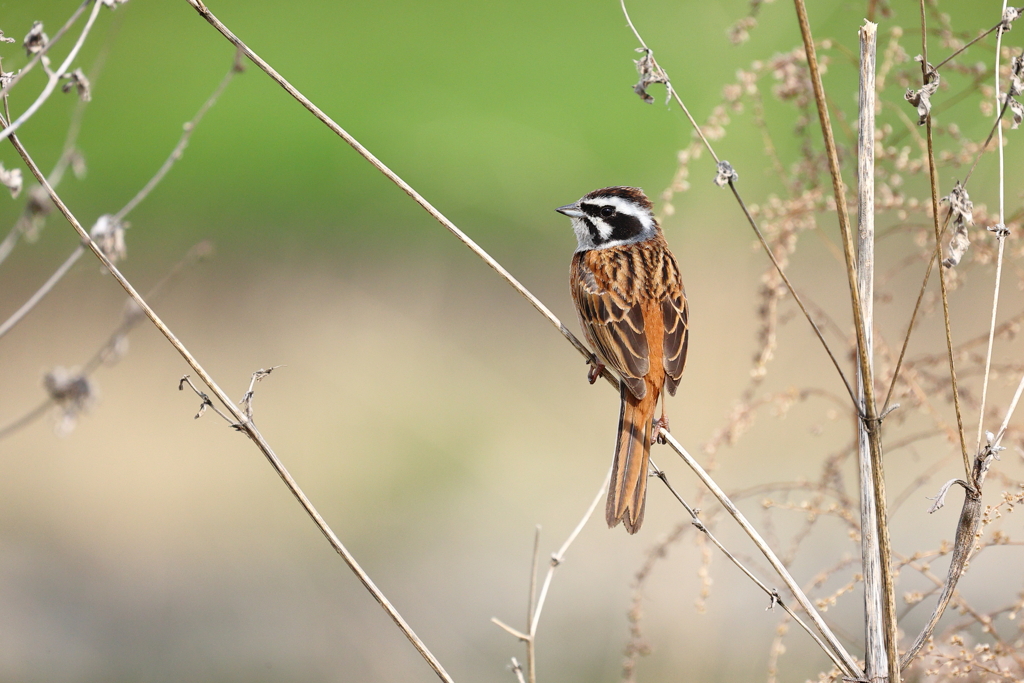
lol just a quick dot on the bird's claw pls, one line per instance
(657, 426)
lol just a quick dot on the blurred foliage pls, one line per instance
(496, 112)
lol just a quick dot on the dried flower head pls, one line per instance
(922, 99)
(78, 81)
(1009, 16)
(36, 40)
(961, 210)
(108, 233)
(37, 208)
(11, 179)
(650, 73)
(5, 39)
(726, 174)
(72, 392)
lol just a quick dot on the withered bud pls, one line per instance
(36, 40)
(960, 205)
(11, 179)
(78, 81)
(922, 99)
(1017, 110)
(961, 210)
(72, 392)
(650, 73)
(108, 233)
(5, 39)
(999, 230)
(6, 78)
(78, 166)
(112, 4)
(1009, 16)
(726, 174)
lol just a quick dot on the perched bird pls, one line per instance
(632, 308)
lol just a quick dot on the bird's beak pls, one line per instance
(570, 210)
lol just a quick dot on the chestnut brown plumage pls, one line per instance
(632, 307)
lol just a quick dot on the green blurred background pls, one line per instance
(429, 412)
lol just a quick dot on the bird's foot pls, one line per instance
(656, 427)
(596, 368)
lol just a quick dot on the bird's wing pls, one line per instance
(677, 335)
(615, 327)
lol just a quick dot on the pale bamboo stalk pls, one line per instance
(869, 417)
(875, 661)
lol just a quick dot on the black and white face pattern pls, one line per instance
(611, 217)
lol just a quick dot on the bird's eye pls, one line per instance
(607, 211)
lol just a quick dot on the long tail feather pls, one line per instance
(627, 491)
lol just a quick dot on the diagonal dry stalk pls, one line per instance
(869, 416)
(242, 421)
(934, 177)
(850, 665)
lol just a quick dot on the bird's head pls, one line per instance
(611, 217)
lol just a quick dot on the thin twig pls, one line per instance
(531, 659)
(132, 316)
(1001, 233)
(934, 177)
(243, 424)
(964, 48)
(55, 77)
(50, 283)
(559, 557)
(672, 90)
(536, 603)
(179, 149)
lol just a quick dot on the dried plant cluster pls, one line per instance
(979, 644)
(938, 121)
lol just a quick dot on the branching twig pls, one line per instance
(44, 49)
(55, 77)
(536, 603)
(116, 219)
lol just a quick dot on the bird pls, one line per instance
(632, 307)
